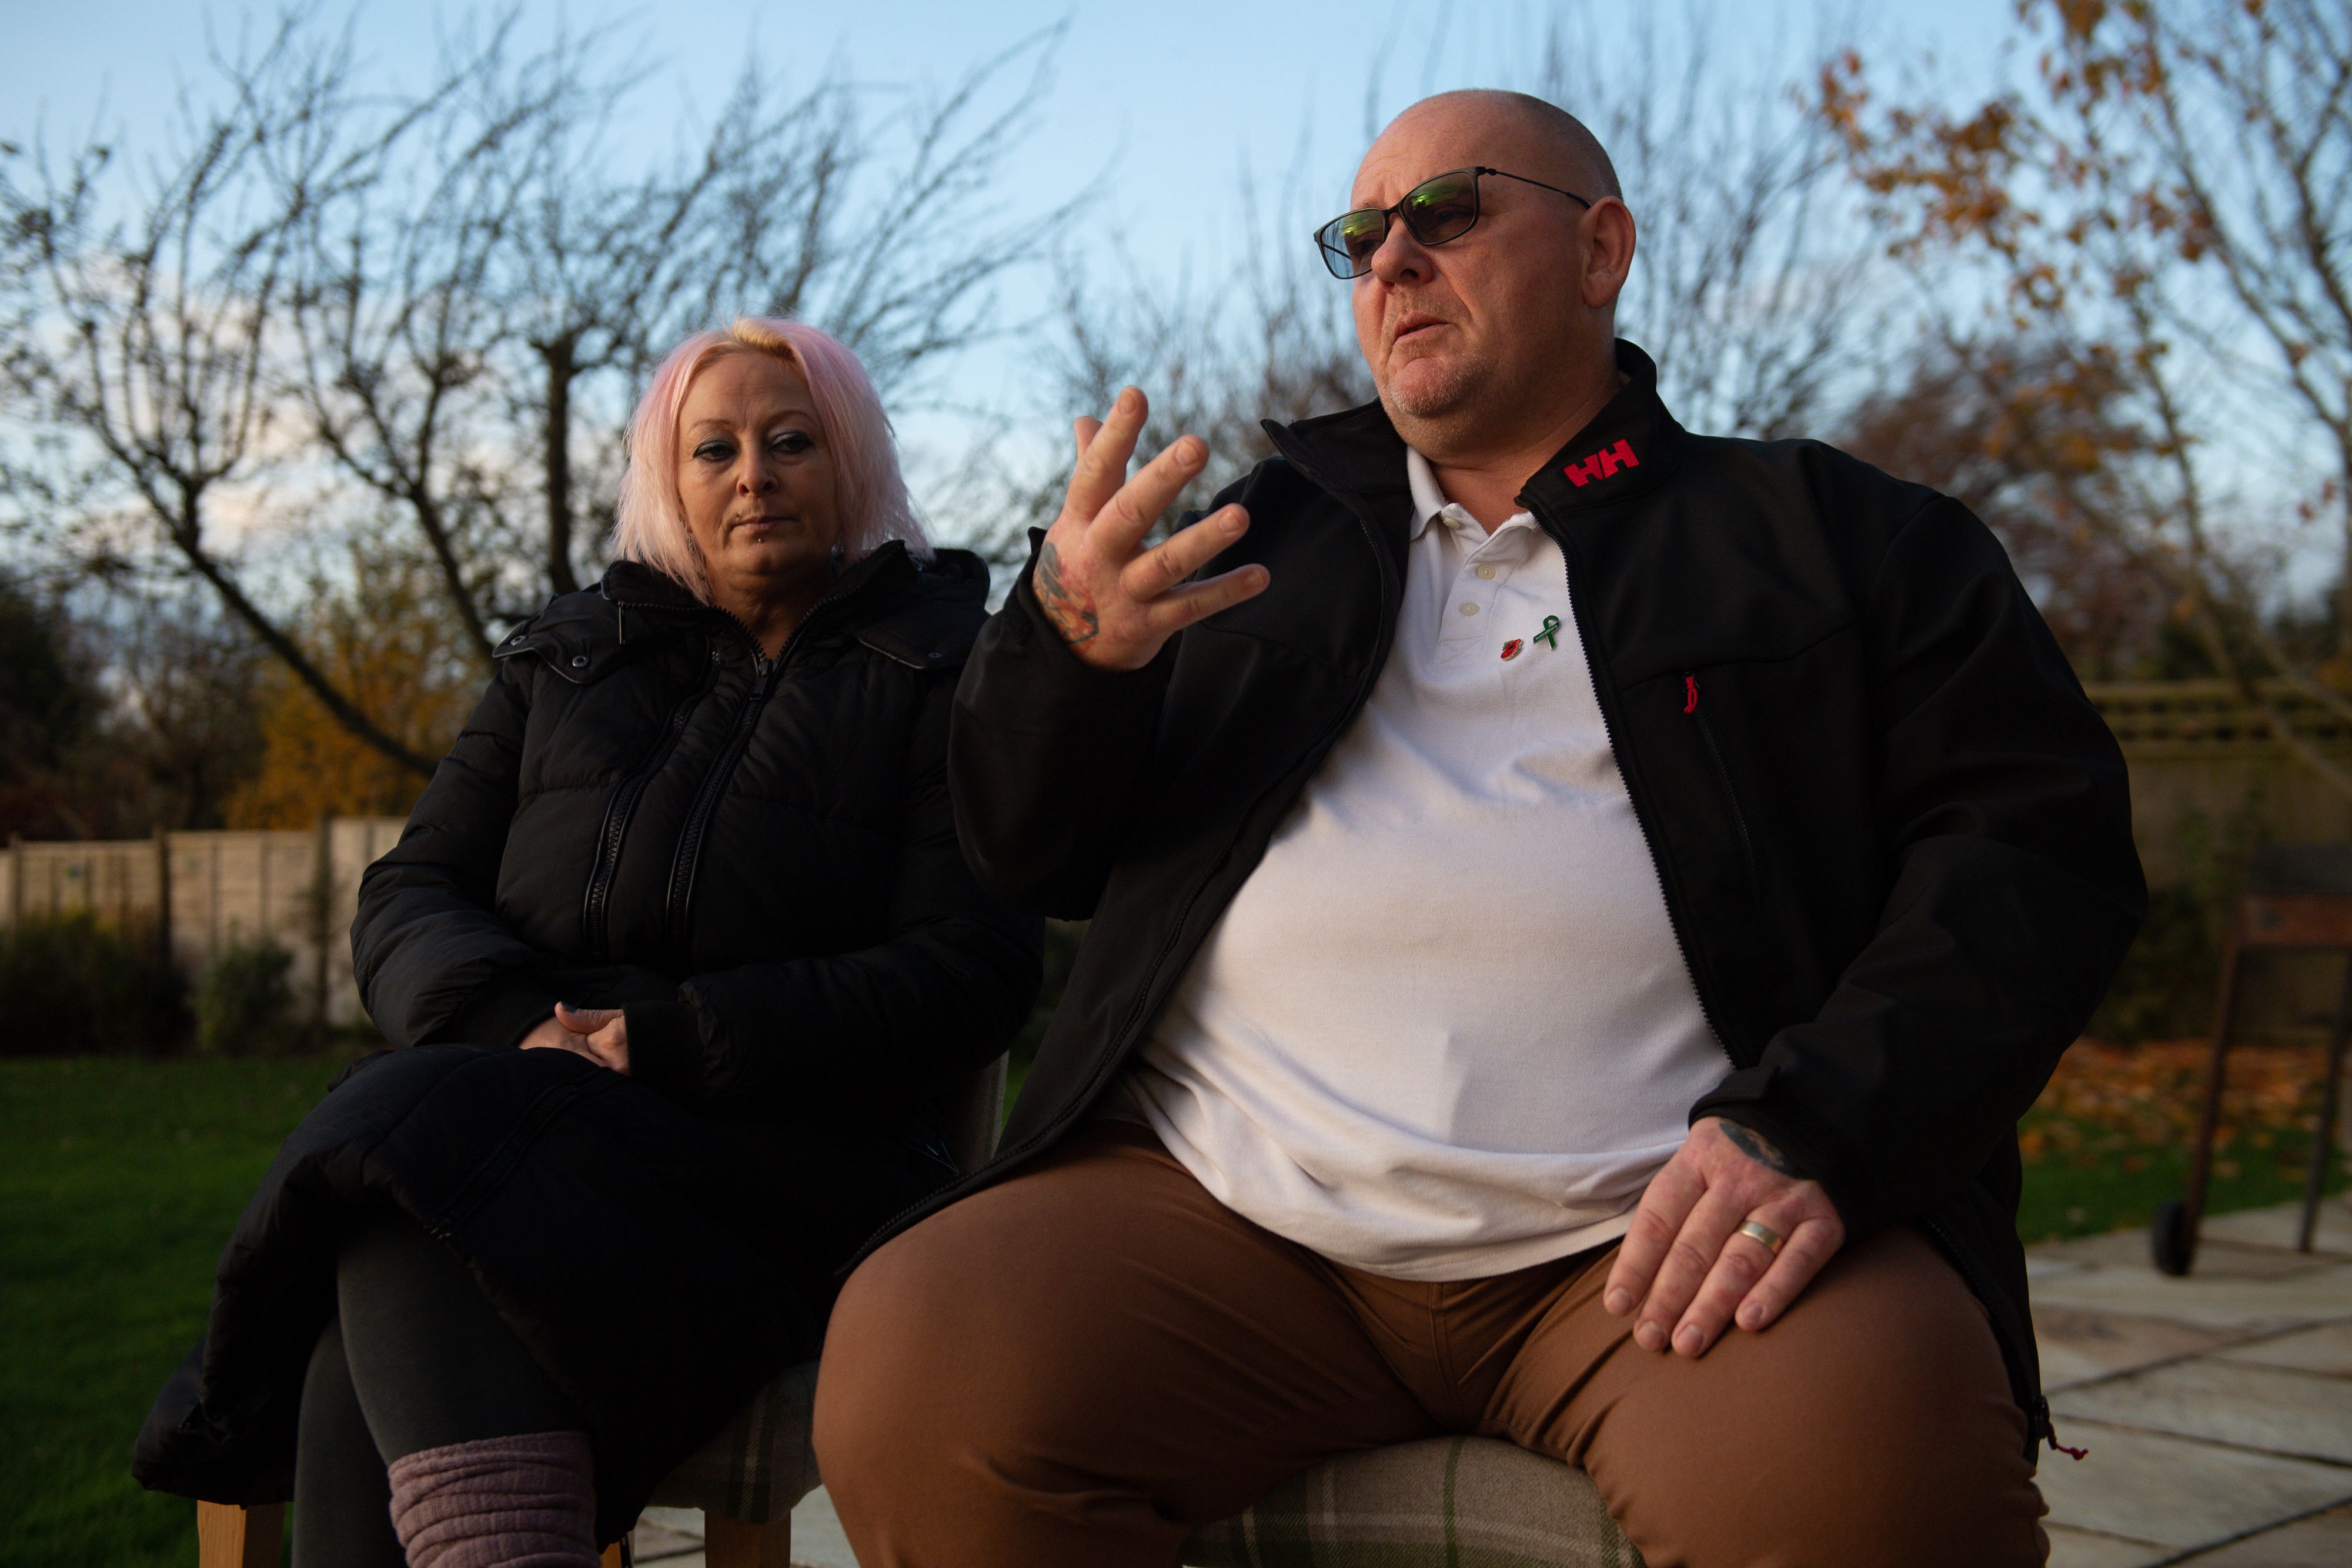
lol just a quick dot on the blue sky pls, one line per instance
(1173, 100)
(1168, 104)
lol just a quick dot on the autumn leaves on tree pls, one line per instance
(2166, 346)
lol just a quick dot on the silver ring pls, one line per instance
(1762, 1232)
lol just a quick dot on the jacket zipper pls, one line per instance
(1722, 774)
(1604, 697)
(1044, 1136)
(2037, 1410)
(688, 858)
(593, 905)
(2038, 1427)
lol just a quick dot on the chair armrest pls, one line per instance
(228, 1536)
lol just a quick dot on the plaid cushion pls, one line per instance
(761, 1463)
(1445, 1503)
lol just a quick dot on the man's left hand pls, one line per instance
(600, 1034)
(1685, 1264)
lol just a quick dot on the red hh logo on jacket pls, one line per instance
(1601, 465)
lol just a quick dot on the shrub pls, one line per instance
(243, 1007)
(2169, 979)
(75, 986)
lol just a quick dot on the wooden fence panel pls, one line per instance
(49, 880)
(353, 844)
(224, 887)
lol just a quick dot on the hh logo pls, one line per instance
(1601, 465)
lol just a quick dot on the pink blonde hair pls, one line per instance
(649, 524)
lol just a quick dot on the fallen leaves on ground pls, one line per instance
(2106, 1101)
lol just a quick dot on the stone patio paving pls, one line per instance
(2217, 1409)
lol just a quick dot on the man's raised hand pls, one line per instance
(1114, 603)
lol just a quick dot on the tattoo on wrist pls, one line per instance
(1761, 1149)
(1072, 616)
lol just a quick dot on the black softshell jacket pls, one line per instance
(757, 859)
(1893, 834)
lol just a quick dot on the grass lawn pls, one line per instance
(120, 1180)
(2108, 1140)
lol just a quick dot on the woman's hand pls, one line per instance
(600, 1034)
(1114, 603)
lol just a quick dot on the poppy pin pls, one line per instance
(1511, 648)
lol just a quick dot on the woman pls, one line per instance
(694, 856)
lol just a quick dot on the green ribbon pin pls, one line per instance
(1550, 633)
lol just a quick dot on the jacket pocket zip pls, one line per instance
(688, 860)
(1722, 773)
(615, 829)
(1604, 696)
(689, 843)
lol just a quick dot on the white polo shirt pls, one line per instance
(1444, 1029)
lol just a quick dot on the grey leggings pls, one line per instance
(417, 1358)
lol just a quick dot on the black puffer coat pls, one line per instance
(758, 859)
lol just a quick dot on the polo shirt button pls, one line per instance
(1469, 610)
(1487, 572)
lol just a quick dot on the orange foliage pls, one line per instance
(2106, 1097)
(390, 645)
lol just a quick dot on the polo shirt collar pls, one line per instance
(1358, 453)
(1429, 504)
(1428, 498)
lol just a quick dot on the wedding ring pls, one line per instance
(1764, 1233)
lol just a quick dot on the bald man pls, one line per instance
(1578, 909)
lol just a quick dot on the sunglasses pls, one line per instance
(1435, 211)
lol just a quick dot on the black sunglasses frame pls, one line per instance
(1335, 257)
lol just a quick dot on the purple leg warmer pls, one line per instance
(502, 1503)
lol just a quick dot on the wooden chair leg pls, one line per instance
(615, 1556)
(228, 1536)
(2331, 1084)
(2217, 1078)
(732, 1543)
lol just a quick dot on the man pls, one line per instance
(1578, 909)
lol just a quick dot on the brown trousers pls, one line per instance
(1078, 1366)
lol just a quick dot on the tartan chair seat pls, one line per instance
(1443, 1502)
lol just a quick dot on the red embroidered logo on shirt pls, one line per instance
(1601, 465)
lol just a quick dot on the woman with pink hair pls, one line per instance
(680, 961)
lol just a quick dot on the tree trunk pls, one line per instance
(561, 358)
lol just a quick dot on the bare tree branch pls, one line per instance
(437, 308)
(149, 337)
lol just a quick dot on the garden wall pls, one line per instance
(2207, 784)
